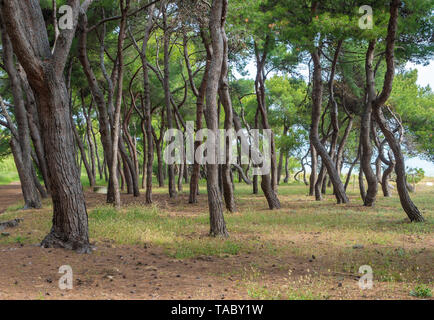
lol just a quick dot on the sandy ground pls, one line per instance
(146, 272)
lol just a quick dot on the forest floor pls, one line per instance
(307, 250)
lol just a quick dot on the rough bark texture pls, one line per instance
(45, 74)
(22, 146)
(217, 20)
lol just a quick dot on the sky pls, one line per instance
(425, 77)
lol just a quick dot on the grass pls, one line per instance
(421, 291)
(8, 172)
(399, 252)
(8, 177)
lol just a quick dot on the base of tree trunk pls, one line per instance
(32, 205)
(53, 240)
(223, 234)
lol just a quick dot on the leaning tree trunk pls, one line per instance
(409, 207)
(386, 175)
(217, 21)
(23, 149)
(407, 204)
(314, 136)
(45, 74)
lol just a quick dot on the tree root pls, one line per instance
(53, 240)
(10, 224)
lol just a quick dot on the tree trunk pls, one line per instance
(279, 167)
(215, 203)
(386, 175)
(103, 116)
(286, 170)
(407, 204)
(166, 85)
(314, 168)
(23, 146)
(314, 137)
(365, 129)
(228, 190)
(270, 191)
(45, 74)
(80, 145)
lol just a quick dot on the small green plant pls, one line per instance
(421, 291)
(19, 240)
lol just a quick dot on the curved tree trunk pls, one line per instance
(314, 136)
(409, 207)
(386, 175)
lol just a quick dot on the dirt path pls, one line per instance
(9, 195)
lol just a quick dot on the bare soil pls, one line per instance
(146, 272)
(9, 195)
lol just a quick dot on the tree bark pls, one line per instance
(314, 137)
(365, 129)
(228, 189)
(103, 116)
(215, 203)
(24, 158)
(268, 182)
(45, 74)
(167, 96)
(407, 204)
(314, 168)
(200, 100)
